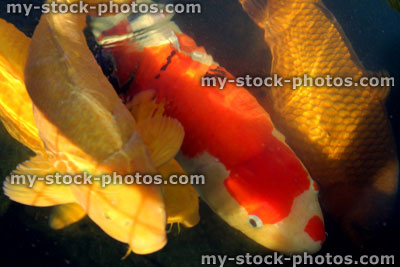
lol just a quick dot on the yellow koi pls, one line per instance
(114, 209)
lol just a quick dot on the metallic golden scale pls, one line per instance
(341, 134)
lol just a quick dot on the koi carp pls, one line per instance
(254, 181)
(342, 134)
(129, 213)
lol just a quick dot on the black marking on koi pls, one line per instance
(165, 66)
(125, 87)
(211, 75)
(218, 70)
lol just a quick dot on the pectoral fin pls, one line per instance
(162, 135)
(23, 185)
(181, 201)
(65, 215)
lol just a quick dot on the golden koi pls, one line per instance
(341, 134)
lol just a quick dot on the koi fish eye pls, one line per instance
(255, 222)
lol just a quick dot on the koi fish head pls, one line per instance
(279, 200)
(270, 198)
(302, 230)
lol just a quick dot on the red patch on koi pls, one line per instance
(315, 229)
(315, 185)
(267, 184)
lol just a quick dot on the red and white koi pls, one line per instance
(255, 182)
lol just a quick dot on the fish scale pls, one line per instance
(341, 134)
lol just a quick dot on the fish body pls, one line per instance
(102, 136)
(342, 134)
(254, 181)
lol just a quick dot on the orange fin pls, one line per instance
(181, 201)
(65, 215)
(162, 135)
(23, 186)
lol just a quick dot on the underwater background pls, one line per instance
(236, 43)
